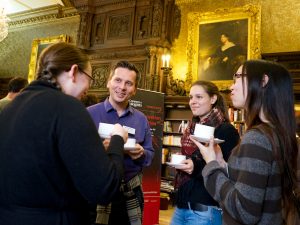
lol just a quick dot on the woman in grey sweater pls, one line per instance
(254, 187)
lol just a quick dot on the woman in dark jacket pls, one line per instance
(194, 205)
(52, 160)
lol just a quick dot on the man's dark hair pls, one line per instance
(16, 84)
(129, 66)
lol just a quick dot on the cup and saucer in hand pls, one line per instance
(105, 130)
(130, 144)
(176, 161)
(203, 133)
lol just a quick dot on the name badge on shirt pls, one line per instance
(130, 130)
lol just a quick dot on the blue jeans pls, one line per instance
(213, 216)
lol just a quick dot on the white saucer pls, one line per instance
(130, 148)
(206, 140)
(177, 166)
(104, 136)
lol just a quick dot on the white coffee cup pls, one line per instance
(130, 143)
(177, 159)
(204, 131)
(105, 130)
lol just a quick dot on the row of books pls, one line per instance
(173, 140)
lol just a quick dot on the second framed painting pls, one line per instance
(220, 41)
(38, 45)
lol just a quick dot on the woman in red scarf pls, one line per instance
(194, 205)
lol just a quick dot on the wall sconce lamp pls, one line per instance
(166, 60)
(166, 70)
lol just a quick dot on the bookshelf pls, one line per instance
(177, 114)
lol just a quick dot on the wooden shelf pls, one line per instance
(177, 146)
(241, 122)
(176, 101)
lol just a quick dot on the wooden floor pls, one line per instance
(165, 216)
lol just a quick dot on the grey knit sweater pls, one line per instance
(250, 193)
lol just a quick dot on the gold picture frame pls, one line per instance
(37, 46)
(250, 13)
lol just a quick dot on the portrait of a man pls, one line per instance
(222, 48)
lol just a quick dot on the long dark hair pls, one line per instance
(211, 89)
(276, 99)
(57, 58)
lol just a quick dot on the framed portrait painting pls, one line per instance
(220, 41)
(38, 45)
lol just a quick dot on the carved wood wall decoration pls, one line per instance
(118, 53)
(142, 67)
(175, 29)
(100, 74)
(84, 33)
(157, 19)
(98, 30)
(143, 23)
(125, 30)
(127, 23)
(119, 27)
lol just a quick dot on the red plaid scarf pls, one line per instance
(214, 119)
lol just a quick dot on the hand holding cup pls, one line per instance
(119, 130)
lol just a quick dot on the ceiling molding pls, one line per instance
(41, 15)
